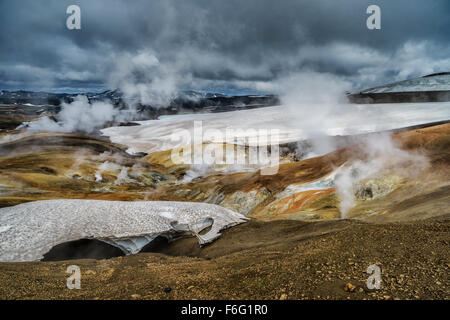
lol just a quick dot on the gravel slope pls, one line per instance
(260, 260)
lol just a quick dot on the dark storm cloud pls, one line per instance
(226, 43)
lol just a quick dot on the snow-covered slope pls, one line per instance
(29, 230)
(293, 123)
(436, 82)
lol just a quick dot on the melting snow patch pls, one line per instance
(29, 230)
(157, 135)
(323, 183)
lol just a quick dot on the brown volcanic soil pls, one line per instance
(432, 141)
(54, 166)
(260, 260)
(253, 193)
(57, 165)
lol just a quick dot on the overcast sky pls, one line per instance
(217, 44)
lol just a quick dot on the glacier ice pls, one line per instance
(30, 230)
(349, 119)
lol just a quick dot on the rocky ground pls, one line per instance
(260, 260)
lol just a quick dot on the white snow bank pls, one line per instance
(349, 119)
(30, 230)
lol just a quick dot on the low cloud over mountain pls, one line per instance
(217, 44)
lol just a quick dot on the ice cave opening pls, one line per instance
(82, 249)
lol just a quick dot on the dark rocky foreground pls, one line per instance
(259, 260)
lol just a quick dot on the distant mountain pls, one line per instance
(54, 99)
(190, 100)
(21, 106)
(432, 82)
(430, 88)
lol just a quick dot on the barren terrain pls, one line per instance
(296, 245)
(259, 260)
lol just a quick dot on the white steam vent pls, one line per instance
(29, 230)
